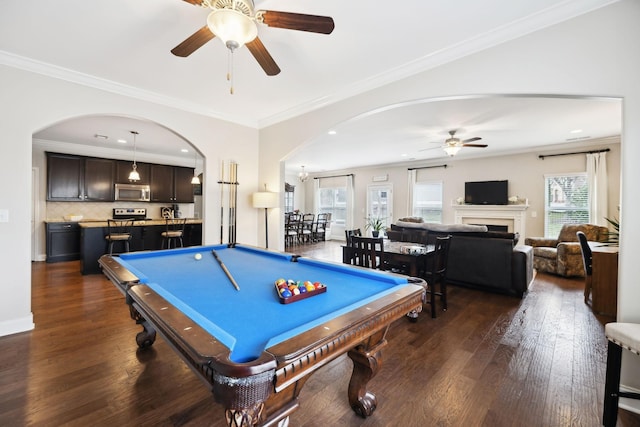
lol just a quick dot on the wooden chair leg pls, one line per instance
(612, 385)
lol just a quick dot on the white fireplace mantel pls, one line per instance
(513, 216)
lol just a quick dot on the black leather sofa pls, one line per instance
(488, 260)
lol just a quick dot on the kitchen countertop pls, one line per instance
(90, 223)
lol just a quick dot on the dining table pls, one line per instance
(403, 257)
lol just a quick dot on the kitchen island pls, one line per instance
(145, 236)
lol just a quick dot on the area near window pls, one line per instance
(566, 201)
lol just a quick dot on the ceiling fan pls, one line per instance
(452, 144)
(234, 22)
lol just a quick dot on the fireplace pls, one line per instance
(511, 218)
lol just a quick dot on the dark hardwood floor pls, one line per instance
(490, 360)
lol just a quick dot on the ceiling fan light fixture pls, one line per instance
(451, 150)
(234, 28)
(303, 175)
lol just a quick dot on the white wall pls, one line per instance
(591, 55)
(31, 102)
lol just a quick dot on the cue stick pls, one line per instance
(226, 271)
(221, 201)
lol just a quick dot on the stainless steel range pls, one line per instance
(134, 213)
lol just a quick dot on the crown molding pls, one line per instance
(61, 73)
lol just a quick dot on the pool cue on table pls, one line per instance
(226, 271)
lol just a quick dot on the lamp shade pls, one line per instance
(232, 26)
(265, 199)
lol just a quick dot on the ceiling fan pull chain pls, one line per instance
(230, 69)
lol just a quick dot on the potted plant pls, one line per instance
(375, 224)
(613, 236)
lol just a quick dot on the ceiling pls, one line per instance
(124, 46)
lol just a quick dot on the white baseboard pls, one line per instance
(15, 326)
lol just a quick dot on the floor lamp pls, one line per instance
(265, 200)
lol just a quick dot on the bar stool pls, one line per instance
(620, 335)
(118, 230)
(174, 229)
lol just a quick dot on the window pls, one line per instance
(288, 197)
(333, 200)
(566, 201)
(380, 202)
(427, 200)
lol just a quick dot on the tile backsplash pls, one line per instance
(56, 211)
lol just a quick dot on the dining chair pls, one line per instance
(118, 230)
(292, 221)
(350, 233)
(620, 336)
(435, 270)
(305, 228)
(587, 261)
(368, 252)
(174, 230)
(320, 228)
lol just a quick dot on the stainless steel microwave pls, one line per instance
(133, 192)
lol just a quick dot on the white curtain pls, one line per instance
(598, 187)
(350, 202)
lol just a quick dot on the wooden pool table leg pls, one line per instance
(147, 336)
(367, 360)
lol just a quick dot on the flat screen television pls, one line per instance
(486, 192)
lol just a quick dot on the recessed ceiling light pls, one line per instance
(576, 131)
(122, 141)
(97, 135)
(332, 132)
(403, 155)
(184, 150)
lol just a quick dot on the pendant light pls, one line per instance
(195, 180)
(303, 176)
(134, 175)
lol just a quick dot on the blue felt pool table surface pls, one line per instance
(252, 319)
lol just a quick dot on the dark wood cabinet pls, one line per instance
(183, 188)
(65, 174)
(75, 178)
(63, 241)
(171, 184)
(123, 168)
(98, 179)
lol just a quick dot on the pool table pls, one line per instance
(255, 352)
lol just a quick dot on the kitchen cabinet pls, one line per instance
(123, 168)
(76, 178)
(171, 184)
(63, 241)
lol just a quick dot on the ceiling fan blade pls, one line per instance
(263, 57)
(196, 2)
(297, 21)
(477, 138)
(475, 145)
(193, 42)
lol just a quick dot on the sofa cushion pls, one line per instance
(545, 252)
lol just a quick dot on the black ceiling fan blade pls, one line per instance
(477, 138)
(193, 42)
(297, 21)
(475, 145)
(263, 57)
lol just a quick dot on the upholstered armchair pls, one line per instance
(562, 256)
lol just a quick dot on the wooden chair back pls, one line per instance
(350, 233)
(368, 252)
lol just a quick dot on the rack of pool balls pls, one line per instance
(292, 290)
